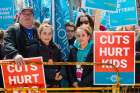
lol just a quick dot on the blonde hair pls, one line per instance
(42, 26)
(85, 28)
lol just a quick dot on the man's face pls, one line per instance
(70, 32)
(26, 18)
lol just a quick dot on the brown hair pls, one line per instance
(91, 22)
(70, 24)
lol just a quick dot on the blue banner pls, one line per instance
(60, 37)
(45, 9)
(75, 14)
(102, 4)
(7, 13)
(126, 14)
(65, 9)
(36, 4)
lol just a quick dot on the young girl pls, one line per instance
(81, 76)
(49, 51)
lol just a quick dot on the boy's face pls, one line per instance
(70, 32)
(46, 35)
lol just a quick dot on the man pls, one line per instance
(20, 37)
(70, 29)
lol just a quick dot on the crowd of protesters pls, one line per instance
(28, 38)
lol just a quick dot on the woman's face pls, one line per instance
(46, 35)
(84, 20)
(82, 37)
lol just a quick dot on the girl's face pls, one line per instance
(84, 20)
(46, 35)
(82, 37)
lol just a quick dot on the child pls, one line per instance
(81, 76)
(49, 51)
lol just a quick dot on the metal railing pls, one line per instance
(116, 88)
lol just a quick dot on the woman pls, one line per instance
(88, 20)
(85, 19)
(81, 76)
(50, 52)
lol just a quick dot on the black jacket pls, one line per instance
(1, 52)
(138, 50)
(17, 42)
(48, 52)
(87, 76)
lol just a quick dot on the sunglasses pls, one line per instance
(84, 22)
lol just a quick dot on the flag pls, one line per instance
(7, 12)
(60, 37)
(36, 4)
(65, 8)
(45, 9)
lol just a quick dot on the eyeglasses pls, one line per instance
(84, 22)
(70, 31)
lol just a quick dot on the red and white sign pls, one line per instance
(116, 48)
(30, 75)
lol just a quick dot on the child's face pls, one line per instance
(84, 20)
(46, 35)
(82, 36)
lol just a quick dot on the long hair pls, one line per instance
(91, 23)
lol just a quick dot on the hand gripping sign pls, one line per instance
(30, 75)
